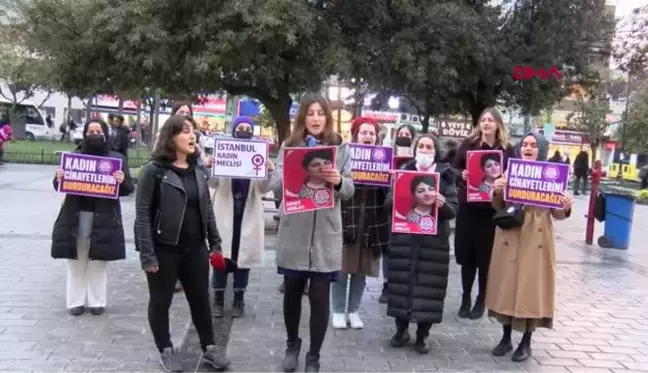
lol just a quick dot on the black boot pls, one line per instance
(505, 346)
(383, 294)
(523, 351)
(464, 309)
(478, 309)
(401, 337)
(312, 363)
(291, 360)
(219, 302)
(421, 346)
(238, 307)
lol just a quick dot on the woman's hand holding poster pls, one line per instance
(305, 187)
(415, 207)
(484, 167)
(536, 183)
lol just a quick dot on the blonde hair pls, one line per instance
(501, 135)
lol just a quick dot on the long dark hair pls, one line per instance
(165, 148)
(178, 104)
(104, 128)
(329, 136)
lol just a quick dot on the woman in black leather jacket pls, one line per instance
(173, 223)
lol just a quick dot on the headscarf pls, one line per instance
(543, 145)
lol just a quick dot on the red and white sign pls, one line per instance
(382, 116)
(210, 105)
(113, 102)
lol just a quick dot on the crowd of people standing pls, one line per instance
(187, 222)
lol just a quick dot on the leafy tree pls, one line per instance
(460, 56)
(591, 115)
(263, 49)
(636, 130)
(631, 49)
(23, 74)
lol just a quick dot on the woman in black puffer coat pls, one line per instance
(419, 264)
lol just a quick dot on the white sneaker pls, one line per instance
(339, 321)
(354, 320)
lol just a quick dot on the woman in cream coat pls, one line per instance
(238, 208)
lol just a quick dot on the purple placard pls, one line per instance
(89, 175)
(536, 183)
(370, 164)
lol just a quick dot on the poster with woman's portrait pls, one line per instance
(484, 167)
(304, 189)
(414, 209)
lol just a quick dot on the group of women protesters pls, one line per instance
(187, 221)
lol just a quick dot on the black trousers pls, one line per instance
(191, 267)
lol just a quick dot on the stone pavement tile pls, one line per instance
(36, 333)
(599, 300)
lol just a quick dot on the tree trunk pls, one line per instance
(475, 112)
(425, 123)
(69, 110)
(280, 111)
(17, 125)
(120, 107)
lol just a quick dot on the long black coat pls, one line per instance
(107, 241)
(419, 264)
(474, 228)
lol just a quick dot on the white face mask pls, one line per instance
(425, 159)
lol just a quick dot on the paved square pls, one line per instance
(601, 322)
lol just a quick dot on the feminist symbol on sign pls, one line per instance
(257, 161)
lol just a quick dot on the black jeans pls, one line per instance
(192, 269)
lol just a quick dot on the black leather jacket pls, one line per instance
(159, 210)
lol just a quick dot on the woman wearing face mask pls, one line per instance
(403, 142)
(521, 284)
(243, 241)
(174, 223)
(88, 231)
(309, 244)
(419, 264)
(474, 229)
(402, 148)
(366, 233)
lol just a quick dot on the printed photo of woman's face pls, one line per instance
(423, 192)
(314, 163)
(492, 169)
(317, 165)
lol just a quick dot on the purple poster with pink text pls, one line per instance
(89, 175)
(536, 183)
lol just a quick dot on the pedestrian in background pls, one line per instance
(522, 281)
(474, 229)
(88, 231)
(365, 220)
(581, 171)
(239, 204)
(174, 220)
(119, 135)
(309, 244)
(419, 264)
(6, 135)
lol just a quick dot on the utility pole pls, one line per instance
(625, 122)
